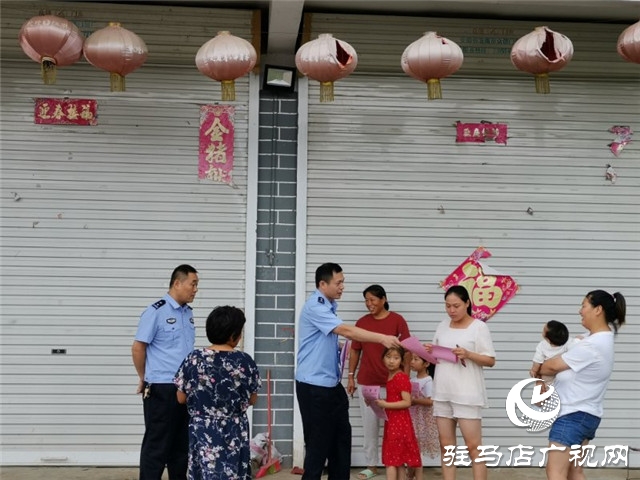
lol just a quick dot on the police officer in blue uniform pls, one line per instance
(323, 401)
(166, 334)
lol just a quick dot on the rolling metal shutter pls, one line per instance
(393, 199)
(94, 219)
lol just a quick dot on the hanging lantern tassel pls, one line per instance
(434, 89)
(326, 92)
(228, 90)
(48, 70)
(542, 83)
(117, 82)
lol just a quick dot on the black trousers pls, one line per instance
(327, 431)
(166, 436)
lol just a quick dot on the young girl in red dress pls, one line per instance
(399, 444)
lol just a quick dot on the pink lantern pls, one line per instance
(53, 42)
(116, 50)
(326, 59)
(540, 52)
(224, 58)
(629, 43)
(431, 58)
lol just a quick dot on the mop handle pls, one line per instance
(269, 415)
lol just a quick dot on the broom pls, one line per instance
(271, 466)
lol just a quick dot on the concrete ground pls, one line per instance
(111, 473)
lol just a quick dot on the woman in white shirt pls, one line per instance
(459, 392)
(582, 375)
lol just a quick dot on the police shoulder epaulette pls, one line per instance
(189, 307)
(159, 303)
(320, 300)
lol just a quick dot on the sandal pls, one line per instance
(366, 474)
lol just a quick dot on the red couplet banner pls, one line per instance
(215, 157)
(481, 132)
(66, 111)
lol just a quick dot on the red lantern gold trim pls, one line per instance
(540, 52)
(116, 50)
(431, 58)
(224, 58)
(51, 41)
(326, 59)
(628, 45)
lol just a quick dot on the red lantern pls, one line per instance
(224, 58)
(53, 42)
(629, 43)
(326, 59)
(541, 52)
(431, 58)
(116, 50)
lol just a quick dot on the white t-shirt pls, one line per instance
(582, 387)
(545, 351)
(425, 385)
(454, 383)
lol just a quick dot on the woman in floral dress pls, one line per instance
(218, 384)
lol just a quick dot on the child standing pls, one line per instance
(424, 423)
(399, 444)
(218, 384)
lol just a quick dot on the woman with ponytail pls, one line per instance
(582, 375)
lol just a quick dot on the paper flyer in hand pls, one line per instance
(414, 346)
(343, 355)
(444, 353)
(371, 393)
(415, 389)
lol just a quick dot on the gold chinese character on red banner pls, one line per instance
(215, 160)
(488, 289)
(66, 111)
(481, 132)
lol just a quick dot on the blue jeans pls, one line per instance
(574, 428)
